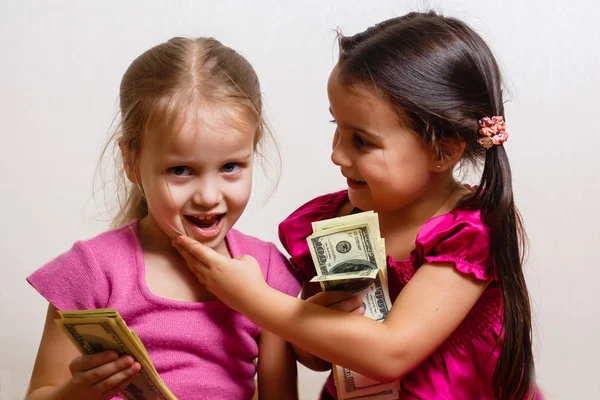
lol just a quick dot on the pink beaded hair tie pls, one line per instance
(492, 131)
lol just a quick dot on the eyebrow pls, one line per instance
(244, 157)
(185, 159)
(357, 128)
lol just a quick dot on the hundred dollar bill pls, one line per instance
(346, 249)
(114, 315)
(352, 385)
(349, 254)
(346, 280)
(95, 331)
(384, 395)
(367, 218)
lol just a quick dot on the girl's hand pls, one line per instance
(99, 376)
(235, 281)
(343, 301)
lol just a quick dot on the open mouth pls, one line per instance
(355, 183)
(206, 226)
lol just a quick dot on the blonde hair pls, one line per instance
(161, 84)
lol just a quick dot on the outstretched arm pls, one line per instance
(429, 308)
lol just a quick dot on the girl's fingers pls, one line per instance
(120, 387)
(360, 310)
(202, 253)
(193, 264)
(91, 361)
(114, 380)
(189, 258)
(99, 374)
(348, 305)
(182, 251)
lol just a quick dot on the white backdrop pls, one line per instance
(60, 69)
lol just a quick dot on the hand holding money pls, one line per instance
(349, 254)
(101, 336)
(99, 376)
(343, 301)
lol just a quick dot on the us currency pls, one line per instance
(345, 280)
(368, 218)
(95, 331)
(342, 250)
(349, 254)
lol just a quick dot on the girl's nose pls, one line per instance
(339, 155)
(208, 195)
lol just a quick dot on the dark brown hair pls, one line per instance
(441, 75)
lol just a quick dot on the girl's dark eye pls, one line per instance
(231, 168)
(180, 170)
(359, 141)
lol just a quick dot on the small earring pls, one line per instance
(438, 166)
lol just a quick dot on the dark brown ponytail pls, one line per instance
(494, 198)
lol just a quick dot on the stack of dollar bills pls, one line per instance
(95, 331)
(349, 254)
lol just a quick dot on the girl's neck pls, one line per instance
(166, 273)
(441, 198)
(153, 237)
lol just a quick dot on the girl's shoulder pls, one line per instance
(460, 236)
(294, 230)
(82, 277)
(106, 249)
(121, 241)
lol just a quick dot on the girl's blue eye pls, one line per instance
(231, 168)
(180, 170)
(359, 141)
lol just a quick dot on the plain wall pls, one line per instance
(60, 68)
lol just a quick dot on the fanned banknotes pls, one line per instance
(95, 331)
(349, 254)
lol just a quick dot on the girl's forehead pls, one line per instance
(353, 94)
(362, 103)
(198, 124)
(210, 138)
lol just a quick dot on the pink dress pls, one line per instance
(463, 366)
(201, 350)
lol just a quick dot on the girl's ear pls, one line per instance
(447, 155)
(130, 163)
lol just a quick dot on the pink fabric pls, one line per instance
(463, 366)
(201, 350)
